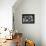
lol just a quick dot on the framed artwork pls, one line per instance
(28, 18)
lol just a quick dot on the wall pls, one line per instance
(30, 31)
(6, 13)
(43, 22)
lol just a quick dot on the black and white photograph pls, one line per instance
(28, 18)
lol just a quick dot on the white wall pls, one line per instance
(6, 13)
(43, 22)
(31, 31)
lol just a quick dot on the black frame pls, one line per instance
(28, 18)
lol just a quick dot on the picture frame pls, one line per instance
(28, 18)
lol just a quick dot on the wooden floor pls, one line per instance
(9, 43)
